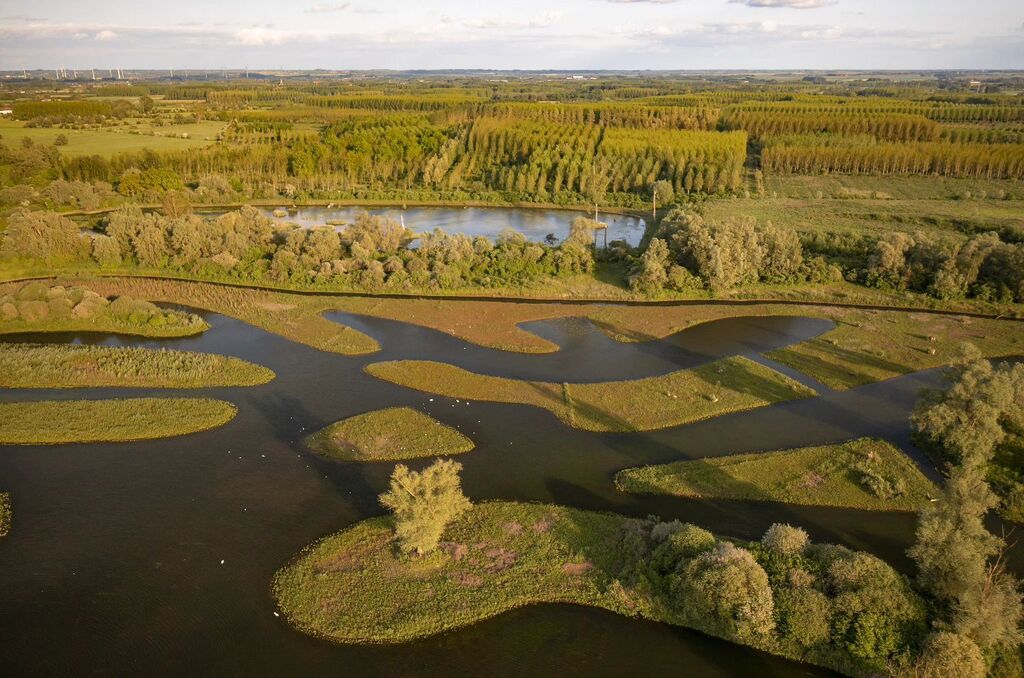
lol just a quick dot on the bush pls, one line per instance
(947, 654)
(803, 615)
(785, 539)
(728, 586)
(680, 542)
(876, 614)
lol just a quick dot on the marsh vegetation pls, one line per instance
(70, 366)
(388, 434)
(677, 398)
(57, 422)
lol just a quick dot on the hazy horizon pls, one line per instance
(458, 35)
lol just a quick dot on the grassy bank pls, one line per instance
(354, 587)
(5, 513)
(673, 399)
(70, 366)
(390, 434)
(81, 421)
(869, 346)
(863, 474)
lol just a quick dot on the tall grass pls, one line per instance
(79, 421)
(69, 366)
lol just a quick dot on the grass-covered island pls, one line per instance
(439, 562)
(864, 474)
(390, 434)
(816, 603)
(38, 307)
(54, 422)
(672, 399)
(73, 365)
(5, 513)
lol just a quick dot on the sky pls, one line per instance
(529, 34)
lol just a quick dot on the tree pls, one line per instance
(42, 235)
(175, 204)
(424, 502)
(730, 586)
(651, 277)
(61, 140)
(946, 654)
(959, 561)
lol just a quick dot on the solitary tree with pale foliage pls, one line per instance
(424, 502)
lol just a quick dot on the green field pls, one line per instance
(949, 219)
(389, 434)
(71, 366)
(890, 187)
(81, 421)
(863, 474)
(110, 141)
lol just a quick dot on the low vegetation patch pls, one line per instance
(69, 366)
(5, 513)
(38, 307)
(822, 604)
(864, 474)
(869, 346)
(388, 434)
(866, 346)
(293, 316)
(82, 421)
(673, 399)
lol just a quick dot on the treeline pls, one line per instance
(982, 267)
(688, 252)
(26, 110)
(937, 111)
(371, 253)
(978, 161)
(888, 126)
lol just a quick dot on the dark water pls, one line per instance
(534, 223)
(114, 563)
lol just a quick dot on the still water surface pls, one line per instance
(535, 223)
(114, 563)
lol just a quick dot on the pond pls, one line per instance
(534, 223)
(156, 557)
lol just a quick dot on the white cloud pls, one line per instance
(544, 20)
(327, 8)
(790, 4)
(106, 36)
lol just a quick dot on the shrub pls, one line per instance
(785, 539)
(728, 586)
(803, 615)
(681, 541)
(948, 654)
